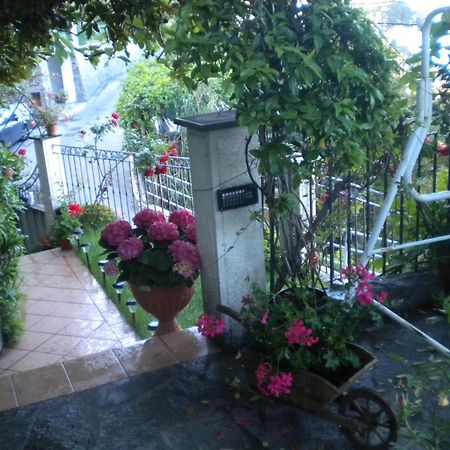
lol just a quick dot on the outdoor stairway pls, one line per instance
(75, 338)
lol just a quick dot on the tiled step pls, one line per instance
(93, 370)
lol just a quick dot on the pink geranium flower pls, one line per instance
(300, 334)
(210, 326)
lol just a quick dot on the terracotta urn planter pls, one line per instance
(163, 302)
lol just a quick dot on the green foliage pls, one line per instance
(268, 318)
(11, 248)
(149, 93)
(296, 72)
(424, 393)
(63, 226)
(96, 216)
(31, 31)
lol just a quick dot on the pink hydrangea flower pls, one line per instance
(182, 218)
(185, 251)
(147, 217)
(300, 334)
(130, 248)
(184, 268)
(191, 232)
(210, 326)
(163, 231)
(111, 269)
(116, 232)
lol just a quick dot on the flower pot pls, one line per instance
(52, 129)
(65, 244)
(163, 302)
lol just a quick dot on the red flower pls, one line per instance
(164, 158)
(114, 122)
(161, 169)
(22, 152)
(149, 172)
(115, 116)
(443, 149)
(75, 209)
(173, 149)
(428, 140)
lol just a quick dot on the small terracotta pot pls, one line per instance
(65, 244)
(164, 303)
(52, 130)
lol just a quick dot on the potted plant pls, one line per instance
(49, 114)
(67, 220)
(301, 330)
(159, 259)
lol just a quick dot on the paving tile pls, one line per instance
(88, 346)
(51, 324)
(8, 398)
(189, 344)
(103, 332)
(35, 359)
(10, 356)
(94, 370)
(48, 256)
(122, 330)
(129, 340)
(112, 316)
(58, 344)
(65, 309)
(31, 319)
(145, 356)
(81, 327)
(42, 307)
(31, 339)
(41, 384)
(48, 269)
(53, 281)
(5, 373)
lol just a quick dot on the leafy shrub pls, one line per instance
(148, 93)
(96, 216)
(11, 248)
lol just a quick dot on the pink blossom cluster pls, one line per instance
(163, 231)
(191, 232)
(364, 292)
(182, 251)
(265, 318)
(116, 232)
(210, 326)
(130, 248)
(182, 218)
(300, 334)
(143, 219)
(270, 384)
(184, 268)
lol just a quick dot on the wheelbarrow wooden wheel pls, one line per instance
(375, 422)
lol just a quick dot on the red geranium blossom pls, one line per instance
(75, 209)
(115, 116)
(22, 152)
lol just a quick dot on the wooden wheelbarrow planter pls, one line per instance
(366, 419)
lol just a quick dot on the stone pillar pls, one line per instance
(231, 245)
(52, 179)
